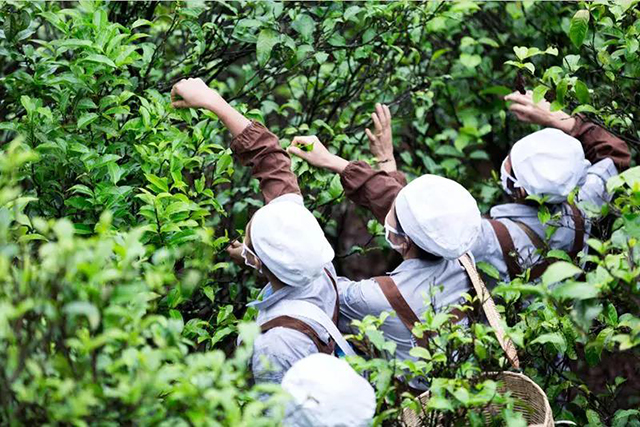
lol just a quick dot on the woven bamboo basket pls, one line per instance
(531, 402)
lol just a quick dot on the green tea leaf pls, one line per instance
(559, 271)
(578, 27)
(100, 59)
(304, 25)
(86, 119)
(582, 92)
(267, 40)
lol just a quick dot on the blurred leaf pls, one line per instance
(83, 308)
(559, 271)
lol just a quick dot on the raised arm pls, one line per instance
(253, 144)
(373, 189)
(195, 93)
(597, 142)
(381, 143)
(381, 139)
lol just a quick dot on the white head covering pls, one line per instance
(289, 241)
(327, 392)
(547, 163)
(439, 215)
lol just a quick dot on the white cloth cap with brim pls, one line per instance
(439, 215)
(289, 241)
(327, 392)
(548, 163)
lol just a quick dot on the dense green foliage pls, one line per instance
(117, 302)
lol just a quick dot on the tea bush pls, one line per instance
(118, 302)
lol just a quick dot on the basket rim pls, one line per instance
(548, 414)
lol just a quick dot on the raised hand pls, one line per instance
(235, 252)
(310, 149)
(195, 94)
(381, 141)
(538, 113)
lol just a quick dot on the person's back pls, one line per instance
(420, 281)
(278, 348)
(432, 223)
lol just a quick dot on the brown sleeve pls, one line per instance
(372, 189)
(599, 144)
(399, 176)
(259, 149)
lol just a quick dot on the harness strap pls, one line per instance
(532, 235)
(490, 311)
(409, 318)
(508, 248)
(401, 307)
(300, 326)
(541, 266)
(578, 238)
(406, 315)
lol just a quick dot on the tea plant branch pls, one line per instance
(159, 46)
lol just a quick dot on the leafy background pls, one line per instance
(117, 302)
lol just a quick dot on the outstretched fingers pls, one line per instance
(175, 102)
(376, 122)
(370, 135)
(387, 112)
(516, 97)
(525, 99)
(382, 115)
(522, 112)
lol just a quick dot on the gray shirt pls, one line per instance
(420, 282)
(276, 350)
(591, 196)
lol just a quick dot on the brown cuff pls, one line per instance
(244, 141)
(598, 144)
(576, 130)
(399, 177)
(353, 171)
(371, 189)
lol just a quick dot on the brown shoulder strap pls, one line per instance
(541, 266)
(490, 311)
(578, 238)
(507, 247)
(406, 315)
(300, 326)
(538, 269)
(532, 235)
(400, 305)
(336, 310)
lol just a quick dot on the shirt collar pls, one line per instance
(510, 210)
(414, 263)
(268, 297)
